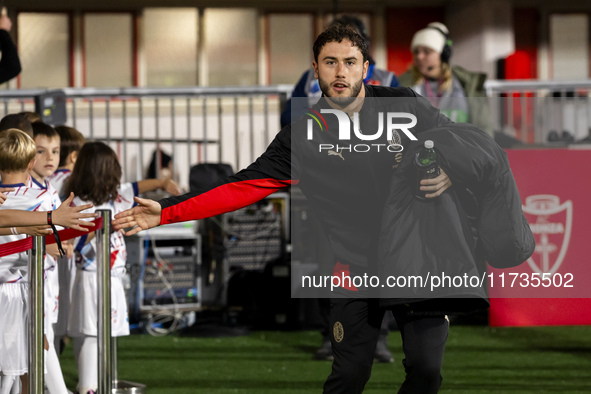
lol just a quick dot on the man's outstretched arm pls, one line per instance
(232, 194)
(271, 172)
(145, 215)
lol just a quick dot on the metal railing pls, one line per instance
(36, 313)
(103, 270)
(541, 112)
(194, 124)
(235, 124)
(106, 345)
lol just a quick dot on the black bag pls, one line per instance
(205, 174)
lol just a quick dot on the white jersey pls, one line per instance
(58, 181)
(86, 253)
(55, 203)
(55, 198)
(51, 272)
(13, 268)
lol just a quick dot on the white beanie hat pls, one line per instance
(433, 36)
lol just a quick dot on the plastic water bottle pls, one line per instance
(427, 166)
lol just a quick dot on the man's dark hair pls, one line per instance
(338, 33)
(16, 121)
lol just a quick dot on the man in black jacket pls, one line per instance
(349, 192)
(10, 65)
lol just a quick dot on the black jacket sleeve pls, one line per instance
(10, 65)
(270, 172)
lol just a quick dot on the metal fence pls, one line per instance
(541, 112)
(193, 125)
(235, 124)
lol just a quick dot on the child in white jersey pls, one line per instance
(17, 157)
(96, 178)
(71, 141)
(47, 141)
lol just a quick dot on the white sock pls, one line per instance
(88, 365)
(6, 383)
(16, 386)
(54, 379)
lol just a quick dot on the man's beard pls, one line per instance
(341, 101)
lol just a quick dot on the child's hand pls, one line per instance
(68, 216)
(35, 230)
(69, 249)
(3, 196)
(52, 250)
(171, 187)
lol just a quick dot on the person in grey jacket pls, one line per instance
(457, 92)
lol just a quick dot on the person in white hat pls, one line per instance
(450, 88)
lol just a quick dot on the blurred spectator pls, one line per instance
(10, 65)
(452, 89)
(161, 167)
(162, 163)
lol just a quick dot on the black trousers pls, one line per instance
(326, 327)
(355, 326)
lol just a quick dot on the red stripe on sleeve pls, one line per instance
(225, 198)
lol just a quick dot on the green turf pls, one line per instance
(478, 359)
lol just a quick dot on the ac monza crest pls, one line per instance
(551, 224)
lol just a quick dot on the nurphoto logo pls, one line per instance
(344, 132)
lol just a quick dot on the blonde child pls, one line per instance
(97, 178)
(17, 158)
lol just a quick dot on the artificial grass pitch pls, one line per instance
(478, 359)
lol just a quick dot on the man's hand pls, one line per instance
(67, 216)
(436, 186)
(5, 23)
(3, 196)
(145, 215)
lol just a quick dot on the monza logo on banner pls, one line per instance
(551, 223)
